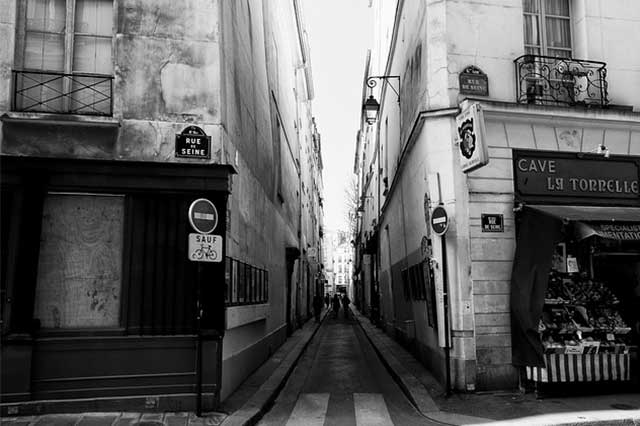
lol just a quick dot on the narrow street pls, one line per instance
(340, 381)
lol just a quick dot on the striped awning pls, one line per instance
(582, 368)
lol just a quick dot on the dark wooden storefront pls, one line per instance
(151, 349)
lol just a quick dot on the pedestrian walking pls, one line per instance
(336, 305)
(327, 300)
(345, 305)
(317, 306)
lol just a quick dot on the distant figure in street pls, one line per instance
(336, 305)
(345, 305)
(317, 306)
(327, 300)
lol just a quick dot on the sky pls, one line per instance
(339, 36)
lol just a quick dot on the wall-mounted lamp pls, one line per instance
(371, 105)
(603, 150)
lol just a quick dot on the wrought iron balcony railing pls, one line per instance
(550, 80)
(55, 92)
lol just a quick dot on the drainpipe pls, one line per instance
(377, 279)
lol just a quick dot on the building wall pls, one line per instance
(268, 133)
(491, 191)
(428, 45)
(240, 71)
(7, 35)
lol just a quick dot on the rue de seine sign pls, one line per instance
(552, 174)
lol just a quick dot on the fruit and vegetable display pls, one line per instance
(579, 290)
(581, 316)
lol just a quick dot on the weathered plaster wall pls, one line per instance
(174, 83)
(488, 35)
(167, 72)
(266, 133)
(230, 68)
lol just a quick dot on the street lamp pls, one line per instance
(371, 108)
(371, 105)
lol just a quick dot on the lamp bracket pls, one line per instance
(371, 82)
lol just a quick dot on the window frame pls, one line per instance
(542, 29)
(245, 284)
(68, 49)
(69, 35)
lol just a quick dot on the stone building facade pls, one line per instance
(558, 77)
(115, 116)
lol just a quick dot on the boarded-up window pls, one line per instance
(80, 264)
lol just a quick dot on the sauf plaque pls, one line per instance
(193, 142)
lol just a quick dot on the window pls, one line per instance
(547, 28)
(65, 48)
(245, 284)
(79, 269)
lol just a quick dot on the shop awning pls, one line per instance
(617, 223)
(591, 213)
(614, 231)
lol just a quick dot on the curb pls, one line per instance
(260, 402)
(414, 390)
(418, 395)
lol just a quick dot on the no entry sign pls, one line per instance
(203, 216)
(439, 220)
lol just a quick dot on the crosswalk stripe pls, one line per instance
(371, 409)
(311, 410)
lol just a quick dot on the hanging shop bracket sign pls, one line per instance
(471, 140)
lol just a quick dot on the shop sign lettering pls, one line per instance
(627, 232)
(577, 177)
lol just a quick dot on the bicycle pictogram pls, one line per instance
(206, 252)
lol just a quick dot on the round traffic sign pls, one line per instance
(203, 216)
(439, 220)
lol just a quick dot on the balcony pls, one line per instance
(59, 93)
(546, 80)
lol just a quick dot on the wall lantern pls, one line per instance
(371, 107)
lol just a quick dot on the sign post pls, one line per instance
(440, 224)
(203, 247)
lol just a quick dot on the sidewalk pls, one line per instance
(246, 404)
(258, 392)
(500, 408)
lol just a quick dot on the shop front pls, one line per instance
(575, 286)
(100, 298)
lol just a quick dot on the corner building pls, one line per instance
(520, 119)
(115, 116)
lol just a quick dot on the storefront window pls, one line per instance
(80, 263)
